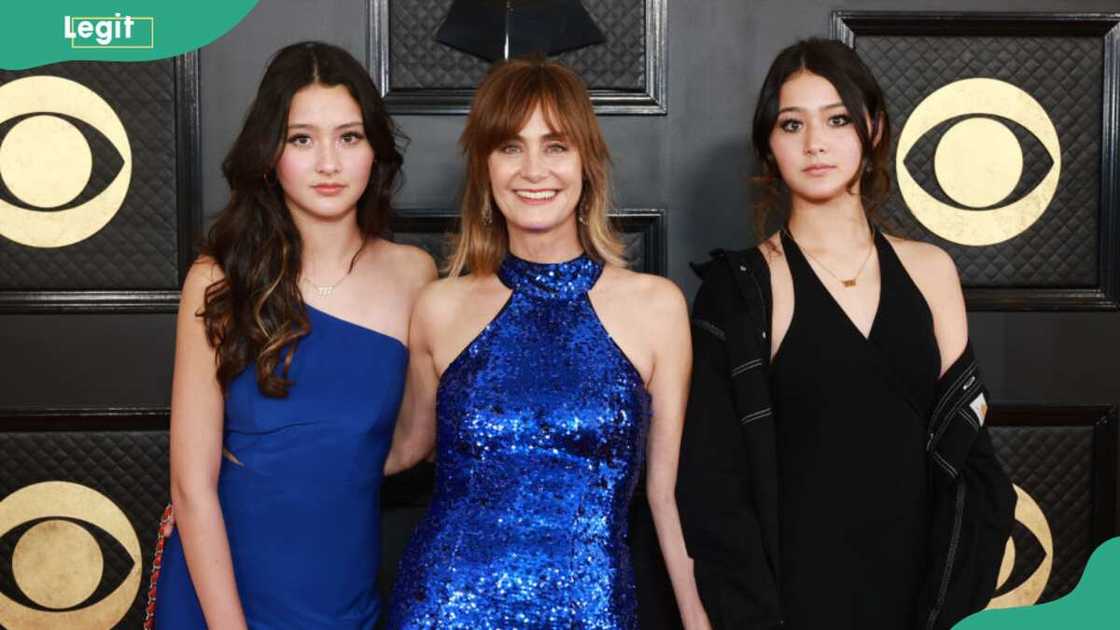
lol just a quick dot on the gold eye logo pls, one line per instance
(62, 534)
(978, 162)
(1031, 581)
(48, 174)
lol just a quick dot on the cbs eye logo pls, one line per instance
(68, 544)
(987, 128)
(1028, 557)
(65, 162)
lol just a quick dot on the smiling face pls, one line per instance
(536, 178)
(325, 165)
(814, 140)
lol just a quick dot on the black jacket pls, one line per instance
(727, 489)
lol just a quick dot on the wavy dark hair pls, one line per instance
(861, 95)
(255, 315)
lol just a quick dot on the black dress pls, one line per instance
(850, 419)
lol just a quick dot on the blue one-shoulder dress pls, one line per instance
(301, 509)
(540, 438)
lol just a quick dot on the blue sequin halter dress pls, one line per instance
(541, 431)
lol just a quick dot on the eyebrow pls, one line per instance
(801, 109)
(310, 126)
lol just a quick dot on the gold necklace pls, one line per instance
(849, 283)
(326, 290)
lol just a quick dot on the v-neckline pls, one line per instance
(787, 240)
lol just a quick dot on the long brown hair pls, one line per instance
(502, 106)
(861, 95)
(255, 315)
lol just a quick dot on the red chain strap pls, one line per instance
(157, 562)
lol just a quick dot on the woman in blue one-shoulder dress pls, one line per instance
(544, 378)
(290, 364)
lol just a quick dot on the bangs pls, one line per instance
(511, 106)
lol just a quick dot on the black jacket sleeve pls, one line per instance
(973, 502)
(721, 521)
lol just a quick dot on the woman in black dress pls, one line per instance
(835, 472)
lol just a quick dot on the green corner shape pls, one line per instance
(41, 32)
(1093, 604)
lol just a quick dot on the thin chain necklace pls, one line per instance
(849, 283)
(328, 289)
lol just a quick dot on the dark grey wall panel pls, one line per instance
(98, 361)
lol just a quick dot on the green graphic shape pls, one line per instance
(50, 31)
(1093, 604)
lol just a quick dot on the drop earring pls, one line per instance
(581, 207)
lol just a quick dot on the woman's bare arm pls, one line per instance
(414, 436)
(667, 314)
(196, 451)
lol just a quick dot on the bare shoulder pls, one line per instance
(414, 265)
(645, 292)
(203, 272)
(775, 256)
(771, 248)
(205, 269)
(931, 267)
(446, 296)
(439, 295)
(781, 278)
(646, 315)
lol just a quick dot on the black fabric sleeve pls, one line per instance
(973, 505)
(974, 514)
(714, 497)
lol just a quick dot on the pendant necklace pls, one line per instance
(327, 289)
(847, 283)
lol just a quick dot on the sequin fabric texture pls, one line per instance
(541, 431)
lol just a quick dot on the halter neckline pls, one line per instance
(563, 280)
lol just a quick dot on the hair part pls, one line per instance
(256, 315)
(502, 106)
(864, 100)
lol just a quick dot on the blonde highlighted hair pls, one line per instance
(502, 106)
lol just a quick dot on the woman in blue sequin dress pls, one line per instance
(542, 378)
(290, 361)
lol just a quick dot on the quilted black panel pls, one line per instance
(1054, 466)
(418, 61)
(138, 249)
(1064, 75)
(128, 467)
